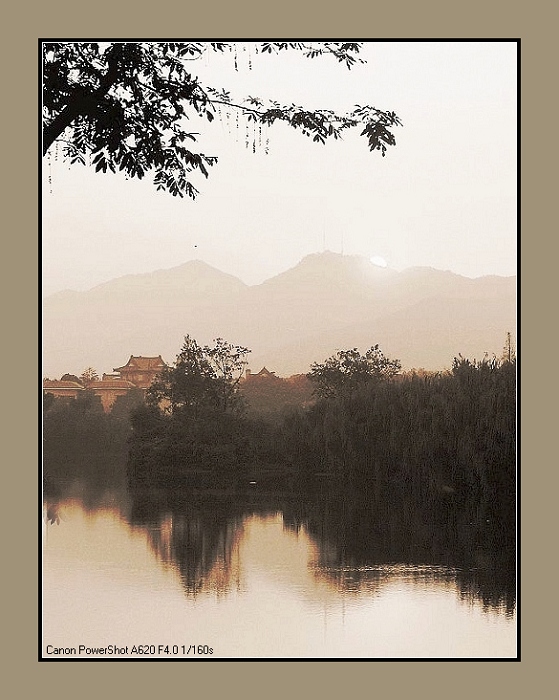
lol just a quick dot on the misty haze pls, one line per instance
(425, 317)
(279, 351)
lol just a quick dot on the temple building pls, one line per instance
(62, 388)
(141, 371)
(138, 373)
(263, 374)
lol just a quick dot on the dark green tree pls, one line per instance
(124, 106)
(202, 380)
(346, 371)
(192, 427)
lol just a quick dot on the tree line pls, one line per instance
(442, 438)
(83, 445)
(376, 454)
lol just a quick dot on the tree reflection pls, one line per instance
(362, 544)
(360, 547)
(196, 537)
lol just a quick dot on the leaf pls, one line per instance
(152, 93)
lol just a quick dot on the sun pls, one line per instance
(378, 261)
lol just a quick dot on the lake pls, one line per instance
(149, 575)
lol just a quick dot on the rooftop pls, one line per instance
(142, 363)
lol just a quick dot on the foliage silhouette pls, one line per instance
(202, 380)
(272, 397)
(82, 444)
(346, 371)
(123, 106)
(421, 469)
(193, 421)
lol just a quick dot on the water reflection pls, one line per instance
(361, 542)
(271, 577)
(197, 538)
(356, 548)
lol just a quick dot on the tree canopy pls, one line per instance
(202, 380)
(125, 106)
(193, 421)
(348, 370)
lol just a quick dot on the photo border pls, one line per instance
(249, 21)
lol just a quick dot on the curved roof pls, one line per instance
(143, 363)
(59, 384)
(111, 384)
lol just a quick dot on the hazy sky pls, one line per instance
(444, 196)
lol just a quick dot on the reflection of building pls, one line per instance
(141, 371)
(263, 374)
(138, 373)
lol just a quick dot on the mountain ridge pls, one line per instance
(205, 265)
(325, 302)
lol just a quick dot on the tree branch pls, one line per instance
(79, 104)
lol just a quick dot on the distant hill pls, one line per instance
(422, 316)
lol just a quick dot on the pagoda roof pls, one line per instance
(265, 371)
(59, 384)
(143, 363)
(111, 384)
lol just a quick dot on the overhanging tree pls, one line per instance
(124, 106)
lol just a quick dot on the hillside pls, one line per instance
(422, 316)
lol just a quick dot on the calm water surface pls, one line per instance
(258, 580)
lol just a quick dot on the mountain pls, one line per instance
(422, 316)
